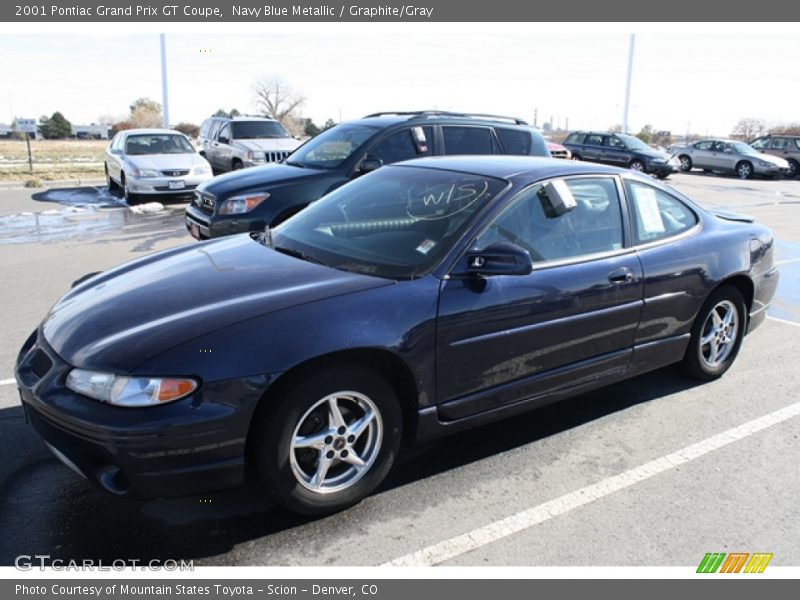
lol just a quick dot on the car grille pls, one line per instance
(165, 188)
(559, 153)
(205, 202)
(275, 156)
(34, 363)
(175, 172)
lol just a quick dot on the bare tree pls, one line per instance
(276, 99)
(748, 128)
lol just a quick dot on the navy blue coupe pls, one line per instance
(421, 299)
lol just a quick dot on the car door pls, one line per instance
(223, 149)
(115, 157)
(593, 147)
(502, 339)
(615, 152)
(405, 144)
(212, 147)
(722, 157)
(700, 153)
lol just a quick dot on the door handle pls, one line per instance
(621, 275)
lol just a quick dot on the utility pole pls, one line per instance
(535, 117)
(628, 83)
(164, 93)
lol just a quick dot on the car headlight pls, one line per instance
(146, 173)
(764, 163)
(659, 161)
(242, 204)
(255, 156)
(128, 391)
(202, 170)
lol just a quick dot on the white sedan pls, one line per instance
(150, 162)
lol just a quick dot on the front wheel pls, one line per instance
(744, 170)
(716, 335)
(794, 169)
(636, 165)
(686, 163)
(329, 439)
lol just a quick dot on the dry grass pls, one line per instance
(53, 150)
(52, 160)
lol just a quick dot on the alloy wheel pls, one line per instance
(719, 333)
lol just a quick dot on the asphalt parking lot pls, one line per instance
(654, 471)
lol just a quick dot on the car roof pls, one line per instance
(152, 131)
(387, 119)
(244, 118)
(507, 166)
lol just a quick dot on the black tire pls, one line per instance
(302, 410)
(130, 198)
(794, 169)
(237, 165)
(662, 176)
(636, 165)
(110, 183)
(576, 156)
(699, 362)
(744, 169)
(686, 162)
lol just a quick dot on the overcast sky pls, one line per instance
(697, 81)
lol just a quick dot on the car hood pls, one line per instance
(259, 178)
(166, 161)
(653, 154)
(121, 318)
(269, 144)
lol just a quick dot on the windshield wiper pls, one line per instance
(296, 164)
(297, 254)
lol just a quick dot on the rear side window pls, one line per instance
(402, 145)
(780, 143)
(514, 141)
(214, 128)
(205, 127)
(614, 142)
(596, 140)
(574, 138)
(468, 140)
(656, 214)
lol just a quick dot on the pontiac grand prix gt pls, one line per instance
(421, 299)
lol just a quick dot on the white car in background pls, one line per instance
(154, 162)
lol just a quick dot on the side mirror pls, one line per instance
(370, 164)
(224, 139)
(502, 258)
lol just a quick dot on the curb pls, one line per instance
(13, 185)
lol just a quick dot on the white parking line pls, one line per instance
(472, 540)
(784, 321)
(7, 381)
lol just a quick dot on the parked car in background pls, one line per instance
(435, 295)
(255, 198)
(782, 146)
(153, 162)
(234, 143)
(558, 151)
(620, 150)
(730, 156)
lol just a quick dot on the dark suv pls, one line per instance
(620, 150)
(251, 199)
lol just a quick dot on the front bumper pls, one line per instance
(203, 226)
(662, 169)
(187, 447)
(770, 171)
(166, 185)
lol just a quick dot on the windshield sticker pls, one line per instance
(647, 206)
(426, 246)
(444, 201)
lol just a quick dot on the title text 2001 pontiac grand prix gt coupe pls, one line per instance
(421, 299)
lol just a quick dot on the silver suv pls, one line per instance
(235, 143)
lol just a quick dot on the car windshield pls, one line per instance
(162, 143)
(256, 130)
(397, 222)
(634, 143)
(332, 147)
(741, 148)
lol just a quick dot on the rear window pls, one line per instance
(468, 140)
(514, 141)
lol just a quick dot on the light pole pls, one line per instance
(628, 84)
(164, 94)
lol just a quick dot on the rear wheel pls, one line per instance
(329, 439)
(744, 169)
(716, 335)
(110, 183)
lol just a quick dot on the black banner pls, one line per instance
(396, 11)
